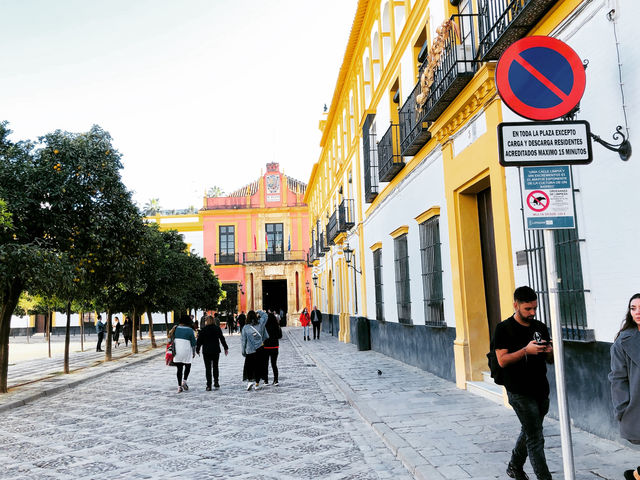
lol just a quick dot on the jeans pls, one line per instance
(99, 345)
(305, 331)
(316, 330)
(272, 353)
(211, 362)
(187, 369)
(530, 411)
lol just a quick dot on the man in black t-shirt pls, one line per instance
(523, 347)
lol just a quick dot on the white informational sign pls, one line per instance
(547, 196)
(544, 143)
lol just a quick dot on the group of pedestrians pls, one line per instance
(314, 319)
(260, 340)
(523, 348)
(101, 330)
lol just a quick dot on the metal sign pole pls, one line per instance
(558, 356)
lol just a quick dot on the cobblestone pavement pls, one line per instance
(439, 431)
(132, 424)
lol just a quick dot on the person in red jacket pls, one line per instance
(305, 321)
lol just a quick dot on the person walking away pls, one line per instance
(184, 340)
(272, 346)
(522, 345)
(262, 358)
(242, 318)
(116, 332)
(304, 321)
(100, 329)
(126, 330)
(316, 321)
(251, 340)
(209, 339)
(283, 318)
(625, 377)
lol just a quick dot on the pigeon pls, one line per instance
(379, 372)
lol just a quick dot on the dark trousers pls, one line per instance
(272, 353)
(530, 411)
(249, 371)
(316, 329)
(211, 362)
(187, 369)
(99, 345)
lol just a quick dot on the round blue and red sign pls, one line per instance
(540, 78)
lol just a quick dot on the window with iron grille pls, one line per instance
(227, 239)
(432, 272)
(571, 291)
(377, 276)
(370, 158)
(403, 293)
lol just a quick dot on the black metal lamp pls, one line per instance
(315, 281)
(348, 255)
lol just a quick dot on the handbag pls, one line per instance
(170, 354)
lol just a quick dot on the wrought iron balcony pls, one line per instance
(346, 215)
(275, 256)
(391, 161)
(332, 228)
(414, 132)
(320, 247)
(502, 22)
(455, 68)
(370, 160)
(226, 258)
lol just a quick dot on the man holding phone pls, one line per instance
(523, 347)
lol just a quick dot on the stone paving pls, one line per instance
(130, 423)
(441, 432)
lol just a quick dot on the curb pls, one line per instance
(415, 463)
(113, 366)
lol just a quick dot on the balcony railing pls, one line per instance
(370, 160)
(391, 161)
(455, 68)
(324, 245)
(226, 258)
(332, 228)
(502, 22)
(284, 256)
(313, 255)
(346, 216)
(414, 132)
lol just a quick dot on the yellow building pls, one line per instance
(410, 141)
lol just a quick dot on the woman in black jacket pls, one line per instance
(209, 339)
(272, 345)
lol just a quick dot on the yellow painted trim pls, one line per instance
(376, 246)
(432, 212)
(399, 231)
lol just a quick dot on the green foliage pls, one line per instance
(6, 223)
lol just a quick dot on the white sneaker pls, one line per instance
(257, 386)
(249, 385)
(276, 384)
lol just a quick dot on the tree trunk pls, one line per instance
(107, 351)
(134, 336)
(152, 335)
(82, 331)
(166, 323)
(11, 295)
(48, 320)
(66, 338)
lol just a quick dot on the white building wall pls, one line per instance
(422, 190)
(607, 196)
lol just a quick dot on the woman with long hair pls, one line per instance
(272, 346)
(625, 377)
(185, 343)
(252, 339)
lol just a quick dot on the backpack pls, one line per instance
(497, 372)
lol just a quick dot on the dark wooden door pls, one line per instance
(489, 264)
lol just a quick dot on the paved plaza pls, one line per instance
(332, 416)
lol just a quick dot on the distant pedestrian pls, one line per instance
(126, 330)
(230, 323)
(252, 339)
(283, 318)
(316, 321)
(209, 339)
(116, 332)
(522, 346)
(304, 321)
(185, 343)
(625, 375)
(100, 329)
(242, 318)
(272, 346)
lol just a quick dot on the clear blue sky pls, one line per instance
(195, 93)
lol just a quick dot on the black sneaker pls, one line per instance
(216, 386)
(517, 473)
(208, 389)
